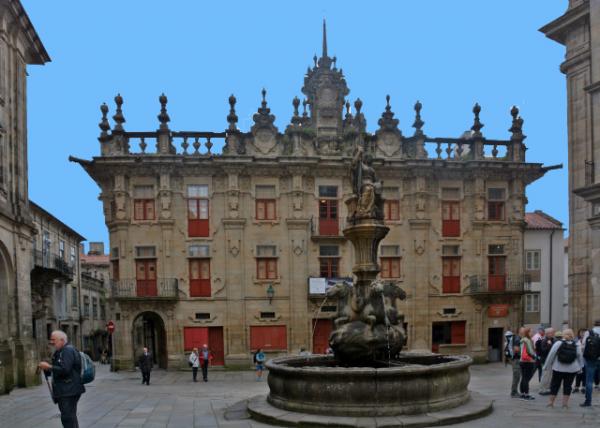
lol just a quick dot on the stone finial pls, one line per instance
(104, 125)
(324, 39)
(358, 105)
(163, 116)
(418, 123)
(232, 117)
(477, 125)
(263, 118)
(387, 121)
(334, 61)
(118, 117)
(264, 98)
(296, 119)
(348, 112)
(315, 59)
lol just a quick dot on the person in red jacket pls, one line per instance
(206, 357)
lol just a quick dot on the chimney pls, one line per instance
(96, 249)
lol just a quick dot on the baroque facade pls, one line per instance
(19, 47)
(579, 31)
(235, 248)
(55, 280)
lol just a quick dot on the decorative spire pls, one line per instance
(264, 98)
(324, 39)
(387, 121)
(517, 123)
(418, 123)
(348, 118)
(477, 125)
(263, 118)
(359, 118)
(118, 117)
(232, 117)
(296, 119)
(163, 116)
(104, 125)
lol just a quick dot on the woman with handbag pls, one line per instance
(194, 363)
(527, 363)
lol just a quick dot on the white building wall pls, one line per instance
(550, 244)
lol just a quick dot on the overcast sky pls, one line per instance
(447, 54)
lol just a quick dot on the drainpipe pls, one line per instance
(550, 282)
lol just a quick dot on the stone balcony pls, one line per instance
(132, 289)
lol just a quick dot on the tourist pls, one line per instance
(66, 378)
(537, 344)
(259, 362)
(542, 349)
(580, 377)
(527, 363)
(194, 362)
(566, 360)
(512, 355)
(145, 362)
(591, 355)
(206, 357)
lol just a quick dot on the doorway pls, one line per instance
(149, 331)
(321, 331)
(495, 344)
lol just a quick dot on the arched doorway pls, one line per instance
(149, 330)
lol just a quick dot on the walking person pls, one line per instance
(194, 362)
(580, 377)
(259, 363)
(145, 362)
(566, 360)
(512, 356)
(206, 357)
(591, 355)
(537, 345)
(543, 347)
(66, 378)
(527, 363)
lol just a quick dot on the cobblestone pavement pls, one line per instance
(173, 400)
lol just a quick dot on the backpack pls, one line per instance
(88, 371)
(592, 347)
(567, 352)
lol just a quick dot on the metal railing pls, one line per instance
(161, 288)
(511, 283)
(48, 260)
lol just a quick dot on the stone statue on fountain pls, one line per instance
(369, 326)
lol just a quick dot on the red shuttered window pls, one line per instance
(265, 209)
(198, 210)
(390, 267)
(200, 278)
(146, 278)
(450, 219)
(497, 273)
(391, 210)
(451, 274)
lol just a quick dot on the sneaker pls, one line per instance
(585, 405)
(576, 389)
(529, 397)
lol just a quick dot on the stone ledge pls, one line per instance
(478, 406)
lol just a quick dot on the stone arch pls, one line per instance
(148, 329)
(6, 298)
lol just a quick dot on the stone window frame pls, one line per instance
(532, 302)
(267, 268)
(145, 201)
(496, 202)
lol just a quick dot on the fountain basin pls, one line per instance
(416, 383)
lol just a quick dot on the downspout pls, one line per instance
(550, 282)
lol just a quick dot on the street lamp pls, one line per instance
(270, 293)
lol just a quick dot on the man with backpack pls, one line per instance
(591, 354)
(512, 355)
(67, 385)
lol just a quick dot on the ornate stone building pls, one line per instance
(579, 31)
(55, 280)
(234, 248)
(19, 46)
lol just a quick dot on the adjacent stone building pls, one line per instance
(235, 247)
(95, 287)
(55, 280)
(544, 264)
(579, 31)
(19, 46)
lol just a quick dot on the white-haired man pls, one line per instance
(66, 377)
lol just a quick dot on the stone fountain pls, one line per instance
(368, 381)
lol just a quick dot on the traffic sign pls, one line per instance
(110, 326)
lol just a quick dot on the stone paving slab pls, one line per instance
(119, 399)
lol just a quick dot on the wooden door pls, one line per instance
(200, 278)
(216, 345)
(322, 330)
(145, 273)
(497, 273)
(328, 217)
(450, 219)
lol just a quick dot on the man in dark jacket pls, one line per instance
(66, 378)
(145, 363)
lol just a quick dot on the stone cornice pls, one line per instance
(558, 29)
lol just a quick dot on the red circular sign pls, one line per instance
(110, 326)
